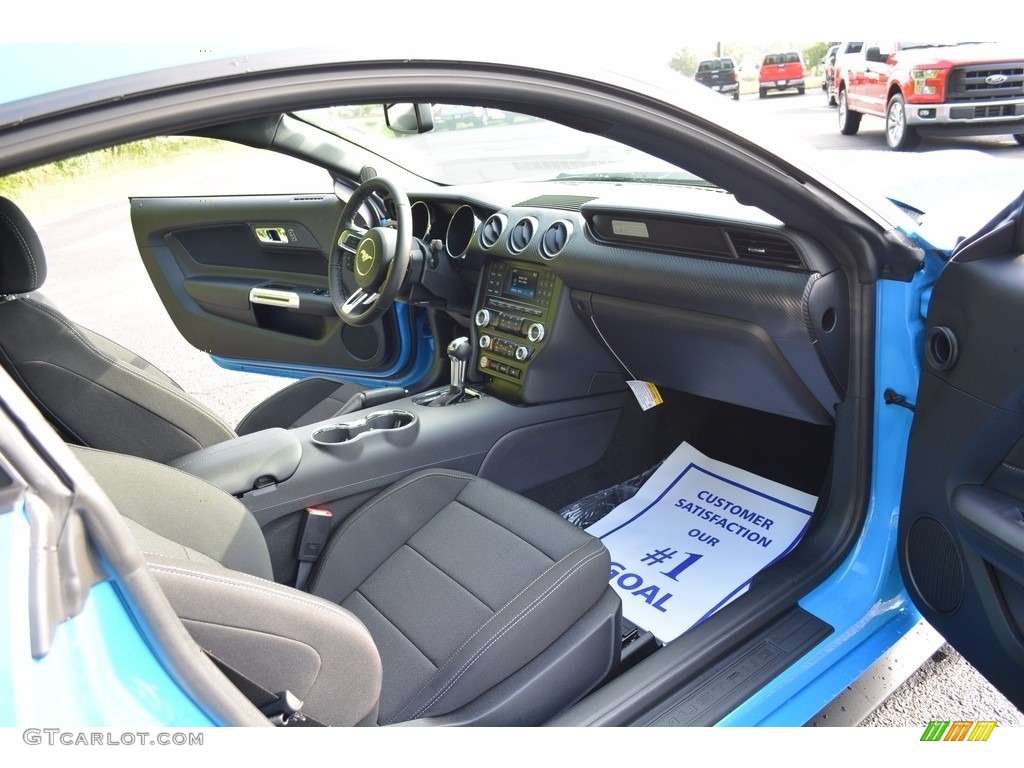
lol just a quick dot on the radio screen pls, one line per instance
(523, 283)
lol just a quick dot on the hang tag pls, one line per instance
(645, 393)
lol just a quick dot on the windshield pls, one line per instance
(944, 44)
(471, 145)
(782, 58)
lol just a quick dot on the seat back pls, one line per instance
(95, 392)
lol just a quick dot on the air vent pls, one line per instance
(555, 238)
(559, 202)
(522, 233)
(764, 249)
(492, 229)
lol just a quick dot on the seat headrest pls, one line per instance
(22, 264)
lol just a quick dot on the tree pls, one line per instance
(685, 62)
(813, 54)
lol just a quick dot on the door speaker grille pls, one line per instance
(935, 566)
(362, 342)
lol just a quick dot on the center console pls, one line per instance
(348, 457)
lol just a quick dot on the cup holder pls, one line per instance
(388, 423)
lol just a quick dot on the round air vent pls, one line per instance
(555, 238)
(941, 349)
(522, 233)
(492, 229)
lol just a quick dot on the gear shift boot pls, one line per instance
(459, 352)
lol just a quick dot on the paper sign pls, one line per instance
(692, 538)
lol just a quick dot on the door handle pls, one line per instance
(274, 297)
(272, 235)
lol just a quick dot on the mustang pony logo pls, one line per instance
(364, 258)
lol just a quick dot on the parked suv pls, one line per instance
(781, 71)
(923, 89)
(720, 75)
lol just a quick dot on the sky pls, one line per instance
(652, 29)
(634, 38)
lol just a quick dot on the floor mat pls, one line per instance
(588, 510)
(691, 537)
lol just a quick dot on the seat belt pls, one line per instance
(282, 709)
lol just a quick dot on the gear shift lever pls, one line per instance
(459, 352)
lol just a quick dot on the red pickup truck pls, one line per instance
(933, 89)
(781, 71)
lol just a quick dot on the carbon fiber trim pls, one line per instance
(777, 302)
(772, 298)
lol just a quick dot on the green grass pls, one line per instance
(138, 154)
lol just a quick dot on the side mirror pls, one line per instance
(408, 118)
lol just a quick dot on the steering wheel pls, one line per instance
(379, 256)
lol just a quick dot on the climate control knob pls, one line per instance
(483, 317)
(485, 342)
(522, 353)
(535, 332)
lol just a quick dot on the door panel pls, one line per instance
(244, 278)
(962, 515)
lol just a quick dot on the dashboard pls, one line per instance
(580, 288)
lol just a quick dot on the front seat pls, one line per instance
(97, 393)
(445, 597)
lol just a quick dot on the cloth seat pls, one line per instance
(443, 597)
(97, 393)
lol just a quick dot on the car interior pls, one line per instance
(414, 553)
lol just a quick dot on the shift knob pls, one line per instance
(460, 349)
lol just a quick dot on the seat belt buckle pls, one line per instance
(316, 529)
(286, 708)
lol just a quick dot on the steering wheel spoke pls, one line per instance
(358, 298)
(349, 238)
